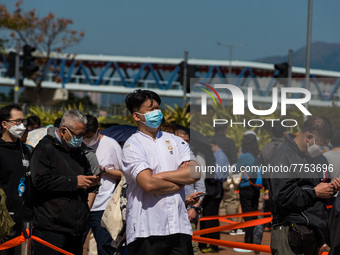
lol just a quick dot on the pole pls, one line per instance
(17, 70)
(290, 67)
(185, 74)
(231, 47)
(230, 60)
(308, 46)
(26, 246)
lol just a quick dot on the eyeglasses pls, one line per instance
(18, 121)
(77, 136)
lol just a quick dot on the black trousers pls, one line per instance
(249, 198)
(210, 206)
(176, 244)
(67, 242)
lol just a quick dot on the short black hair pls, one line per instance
(5, 112)
(92, 124)
(249, 144)
(32, 120)
(278, 130)
(180, 127)
(219, 129)
(319, 126)
(135, 99)
(57, 122)
(167, 127)
(335, 141)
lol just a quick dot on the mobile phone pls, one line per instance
(99, 174)
(201, 195)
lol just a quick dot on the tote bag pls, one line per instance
(112, 217)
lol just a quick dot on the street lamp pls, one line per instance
(230, 53)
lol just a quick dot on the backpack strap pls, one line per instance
(251, 183)
(259, 186)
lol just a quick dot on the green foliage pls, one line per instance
(117, 120)
(204, 124)
(177, 115)
(2, 43)
(331, 112)
(47, 117)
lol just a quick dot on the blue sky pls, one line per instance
(167, 28)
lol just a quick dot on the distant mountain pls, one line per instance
(324, 56)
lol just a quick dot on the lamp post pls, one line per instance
(230, 54)
(308, 47)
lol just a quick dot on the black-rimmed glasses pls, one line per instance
(18, 121)
(77, 136)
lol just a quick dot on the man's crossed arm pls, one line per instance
(170, 181)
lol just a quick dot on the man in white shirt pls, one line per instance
(108, 153)
(156, 167)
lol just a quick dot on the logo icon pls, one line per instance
(239, 102)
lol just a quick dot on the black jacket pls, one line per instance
(11, 171)
(58, 203)
(267, 152)
(293, 193)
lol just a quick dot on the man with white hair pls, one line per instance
(61, 177)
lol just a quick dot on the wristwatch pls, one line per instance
(197, 209)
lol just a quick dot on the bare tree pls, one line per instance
(47, 34)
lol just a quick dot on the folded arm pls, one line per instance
(184, 175)
(154, 185)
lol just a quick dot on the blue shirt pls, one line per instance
(197, 186)
(246, 159)
(222, 165)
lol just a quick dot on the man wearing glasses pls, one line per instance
(14, 169)
(61, 178)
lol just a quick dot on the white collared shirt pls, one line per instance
(149, 214)
(109, 155)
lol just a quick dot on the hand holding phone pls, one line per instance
(201, 195)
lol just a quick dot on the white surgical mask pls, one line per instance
(17, 130)
(314, 150)
(92, 141)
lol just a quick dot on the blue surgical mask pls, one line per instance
(153, 119)
(74, 142)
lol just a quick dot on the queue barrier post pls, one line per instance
(26, 246)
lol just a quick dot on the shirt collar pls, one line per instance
(58, 138)
(158, 135)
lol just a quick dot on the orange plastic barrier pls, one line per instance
(51, 245)
(12, 243)
(21, 239)
(245, 224)
(247, 214)
(227, 221)
(236, 225)
(248, 246)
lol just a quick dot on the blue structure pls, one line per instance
(119, 74)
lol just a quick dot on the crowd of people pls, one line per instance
(64, 184)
